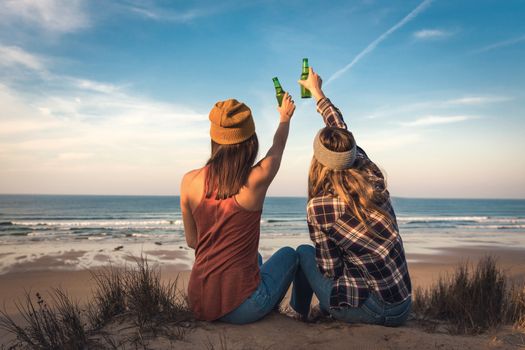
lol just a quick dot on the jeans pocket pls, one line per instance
(399, 319)
(373, 317)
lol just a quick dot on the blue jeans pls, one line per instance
(276, 276)
(309, 280)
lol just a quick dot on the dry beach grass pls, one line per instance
(134, 294)
(472, 300)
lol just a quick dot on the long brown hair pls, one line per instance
(229, 167)
(362, 187)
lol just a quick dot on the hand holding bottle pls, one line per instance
(313, 83)
(287, 108)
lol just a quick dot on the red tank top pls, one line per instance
(226, 271)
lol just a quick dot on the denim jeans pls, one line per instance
(309, 280)
(276, 276)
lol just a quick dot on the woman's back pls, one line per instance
(226, 270)
(221, 207)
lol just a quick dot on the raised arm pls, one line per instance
(265, 171)
(332, 116)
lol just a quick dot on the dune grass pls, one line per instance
(516, 306)
(135, 294)
(472, 300)
(109, 297)
(56, 326)
(151, 302)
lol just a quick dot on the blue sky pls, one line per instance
(102, 97)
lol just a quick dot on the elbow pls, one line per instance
(191, 243)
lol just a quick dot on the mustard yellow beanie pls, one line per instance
(231, 122)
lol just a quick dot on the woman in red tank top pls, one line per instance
(221, 207)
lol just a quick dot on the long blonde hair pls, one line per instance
(362, 187)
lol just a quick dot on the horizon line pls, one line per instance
(285, 196)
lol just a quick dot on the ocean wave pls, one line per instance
(103, 224)
(427, 219)
(271, 221)
(38, 234)
(13, 230)
(66, 218)
(90, 229)
(440, 223)
(19, 233)
(496, 227)
(139, 235)
(96, 238)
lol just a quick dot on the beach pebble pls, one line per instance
(119, 247)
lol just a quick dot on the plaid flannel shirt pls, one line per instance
(358, 263)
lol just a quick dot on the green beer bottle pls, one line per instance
(279, 92)
(305, 93)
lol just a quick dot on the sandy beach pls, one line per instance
(46, 271)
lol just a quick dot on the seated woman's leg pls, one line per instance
(277, 274)
(310, 278)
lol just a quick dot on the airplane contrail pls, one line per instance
(420, 8)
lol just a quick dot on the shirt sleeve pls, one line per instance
(332, 116)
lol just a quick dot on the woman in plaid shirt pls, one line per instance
(357, 269)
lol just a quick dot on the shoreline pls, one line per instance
(86, 254)
(47, 272)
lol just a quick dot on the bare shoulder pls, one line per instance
(191, 175)
(192, 183)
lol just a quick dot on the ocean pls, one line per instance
(423, 223)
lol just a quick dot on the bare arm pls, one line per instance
(263, 174)
(190, 228)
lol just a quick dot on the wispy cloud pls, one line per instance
(158, 15)
(93, 85)
(477, 100)
(381, 142)
(451, 104)
(428, 34)
(438, 120)
(15, 56)
(88, 129)
(420, 8)
(56, 16)
(152, 11)
(501, 44)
